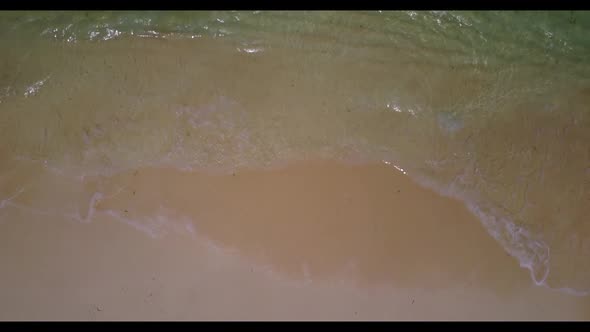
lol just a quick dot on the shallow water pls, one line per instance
(491, 108)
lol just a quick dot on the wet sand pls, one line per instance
(312, 240)
(504, 137)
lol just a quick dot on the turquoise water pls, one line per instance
(488, 107)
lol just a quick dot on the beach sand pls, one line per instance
(314, 240)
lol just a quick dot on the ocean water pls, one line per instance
(489, 107)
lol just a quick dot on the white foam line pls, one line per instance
(8, 200)
(525, 261)
(570, 291)
(97, 197)
(535, 249)
(131, 222)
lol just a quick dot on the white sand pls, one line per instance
(311, 241)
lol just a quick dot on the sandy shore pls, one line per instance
(314, 240)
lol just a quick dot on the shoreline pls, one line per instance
(314, 240)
